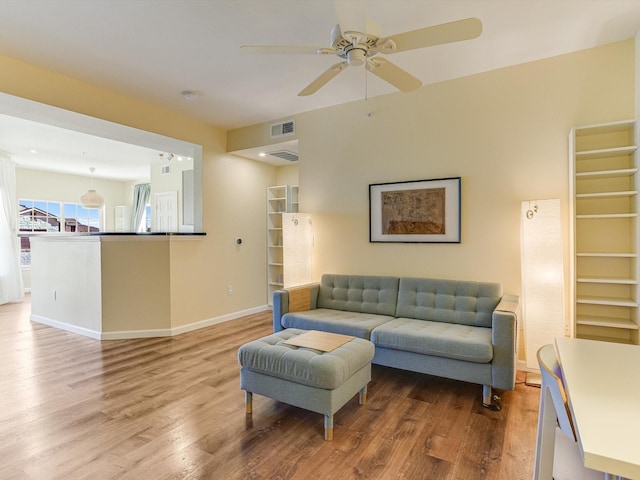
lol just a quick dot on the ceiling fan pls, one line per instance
(358, 48)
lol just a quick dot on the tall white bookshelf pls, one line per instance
(281, 199)
(604, 231)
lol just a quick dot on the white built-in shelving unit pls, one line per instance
(280, 199)
(604, 231)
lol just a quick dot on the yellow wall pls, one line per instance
(287, 175)
(255, 136)
(233, 194)
(505, 132)
(135, 284)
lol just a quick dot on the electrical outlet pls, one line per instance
(229, 289)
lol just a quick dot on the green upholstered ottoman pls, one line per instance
(305, 377)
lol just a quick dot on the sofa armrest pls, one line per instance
(294, 299)
(504, 339)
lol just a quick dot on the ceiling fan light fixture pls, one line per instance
(356, 57)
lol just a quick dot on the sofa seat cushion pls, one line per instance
(328, 370)
(459, 342)
(335, 321)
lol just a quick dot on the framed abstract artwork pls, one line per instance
(424, 211)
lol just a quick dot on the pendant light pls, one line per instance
(92, 199)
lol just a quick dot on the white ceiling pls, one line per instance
(39, 146)
(155, 49)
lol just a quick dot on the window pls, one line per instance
(41, 217)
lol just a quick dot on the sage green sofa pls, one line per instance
(461, 330)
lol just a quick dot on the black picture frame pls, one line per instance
(420, 211)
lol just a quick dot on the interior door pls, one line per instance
(166, 212)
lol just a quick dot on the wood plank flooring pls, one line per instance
(171, 408)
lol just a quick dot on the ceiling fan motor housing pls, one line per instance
(355, 47)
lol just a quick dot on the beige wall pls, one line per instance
(233, 194)
(136, 284)
(255, 136)
(504, 132)
(287, 175)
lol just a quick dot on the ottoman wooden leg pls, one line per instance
(328, 427)
(362, 396)
(248, 399)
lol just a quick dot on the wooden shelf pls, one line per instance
(609, 301)
(607, 322)
(601, 128)
(597, 174)
(628, 193)
(608, 255)
(608, 215)
(602, 338)
(619, 281)
(606, 152)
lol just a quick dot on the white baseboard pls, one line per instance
(522, 365)
(161, 332)
(183, 328)
(65, 326)
(216, 320)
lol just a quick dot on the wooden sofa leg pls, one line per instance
(362, 396)
(328, 427)
(248, 400)
(492, 402)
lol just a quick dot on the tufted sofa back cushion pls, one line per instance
(464, 303)
(359, 293)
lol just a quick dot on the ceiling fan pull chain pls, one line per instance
(366, 85)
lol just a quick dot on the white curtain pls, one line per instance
(141, 195)
(11, 287)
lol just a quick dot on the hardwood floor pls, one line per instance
(171, 408)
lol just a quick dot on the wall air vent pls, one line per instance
(282, 129)
(165, 169)
(285, 155)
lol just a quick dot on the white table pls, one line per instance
(602, 381)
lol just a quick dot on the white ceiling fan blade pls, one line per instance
(393, 74)
(351, 15)
(323, 79)
(285, 49)
(429, 36)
